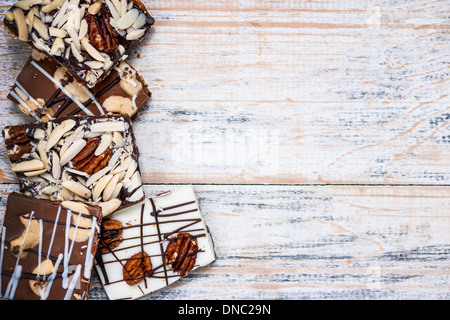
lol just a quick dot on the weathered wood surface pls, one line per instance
(318, 242)
(317, 134)
(287, 92)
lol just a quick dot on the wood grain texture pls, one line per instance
(287, 92)
(318, 242)
(317, 134)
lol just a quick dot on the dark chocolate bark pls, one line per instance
(87, 37)
(94, 159)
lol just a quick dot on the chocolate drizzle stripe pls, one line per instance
(159, 271)
(96, 96)
(45, 73)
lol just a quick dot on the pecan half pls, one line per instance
(88, 150)
(101, 34)
(87, 162)
(137, 268)
(17, 135)
(181, 253)
(110, 235)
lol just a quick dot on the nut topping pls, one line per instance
(101, 34)
(181, 253)
(111, 235)
(136, 268)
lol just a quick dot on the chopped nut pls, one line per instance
(58, 132)
(77, 188)
(29, 165)
(110, 235)
(135, 34)
(128, 19)
(137, 268)
(22, 28)
(91, 50)
(102, 35)
(181, 253)
(52, 6)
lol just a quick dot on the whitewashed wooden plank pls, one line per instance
(318, 242)
(286, 92)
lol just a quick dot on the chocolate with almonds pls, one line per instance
(93, 159)
(44, 90)
(88, 37)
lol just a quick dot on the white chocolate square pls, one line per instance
(148, 226)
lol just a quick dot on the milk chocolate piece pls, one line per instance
(93, 159)
(48, 249)
(87, 37)
(44, 90)
(139, 251)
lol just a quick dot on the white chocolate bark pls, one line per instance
(148, 226)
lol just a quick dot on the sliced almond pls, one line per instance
(116, 191)
(104, 144)
(135, 182)
(39, 134)
(77, 134)
(93, 178)
(112, 10)
(76, 206)
(100, 186)
(73, 150)
(128, 19)
(118, 139)
(140, 21)
(124, 7)
(94, 64)
(95, 8)
(65, 194)
(110, 187)
(76, 53)
(135, 34)
(52, 6)
(22, 28)
(56, 32)
(29, 19)
(35, 173)
(41, 28)
(58, 132)
(91, 50)
(108, 126)
(137, 195)
(9, 15)
(56, 166)
(57, 47)
(77, 188)
(110, 206)
(23, 4)
(83, 29)
(30, 165)
(131, 169)
(42, 153)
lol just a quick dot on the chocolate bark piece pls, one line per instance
(87, 37)
(44, 90)
(94, 159)
(48, 249)
(134, 243)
